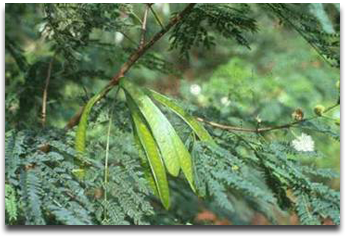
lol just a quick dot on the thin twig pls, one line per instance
(157, 18)
(45, 92)
(264, 129)
(107, 152)
(136, 55)
(128, 38)
(144, 26)
(332, 107)
(111, 112)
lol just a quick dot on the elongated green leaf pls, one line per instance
(152, 152)
(144, 163)
(159, 125)
(174, 152)
(195, 125)
(83, 124)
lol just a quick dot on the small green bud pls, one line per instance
(319, 109)
(338, 85)
(337, 121)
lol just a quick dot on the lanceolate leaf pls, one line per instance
(83, 124)
(161, 128)
(196, 126)
(174, 152)
(144, 162)
(152, 152)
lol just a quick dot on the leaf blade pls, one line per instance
(159, 125)
(83, 125)
(152, 153)
(195, 125)
(174, 152)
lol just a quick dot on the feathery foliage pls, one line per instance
(312, 28)
(231, 135)
(199, 27)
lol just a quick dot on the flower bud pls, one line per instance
(319, 109)
(298, 114)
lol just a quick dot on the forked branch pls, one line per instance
(135, 56)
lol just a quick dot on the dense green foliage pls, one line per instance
(250, 127)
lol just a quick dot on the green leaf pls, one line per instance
(144, 163)
(152, 152)
(162, 130)
(174, 152)
(195, 125)
(10, 202)
(83, 124)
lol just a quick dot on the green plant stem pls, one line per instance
(157, 18)
(144, 26)
(107, 152)
(137, 18)
(105, 214)
(45, 92)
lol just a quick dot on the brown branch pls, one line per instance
(75, 119)
(242, 129)
(225, 127)
(45, 93)
(136, 55)
(264, 129)
(139, 53)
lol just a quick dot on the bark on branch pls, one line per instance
(134, 57)
(140, 51)
(263, 129)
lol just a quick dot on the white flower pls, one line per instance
(225, 101)
(195, 89)
(118, 37)
(258, 119)
(303, 143)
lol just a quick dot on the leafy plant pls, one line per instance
(243, 140)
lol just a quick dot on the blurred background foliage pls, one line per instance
(276, 72)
